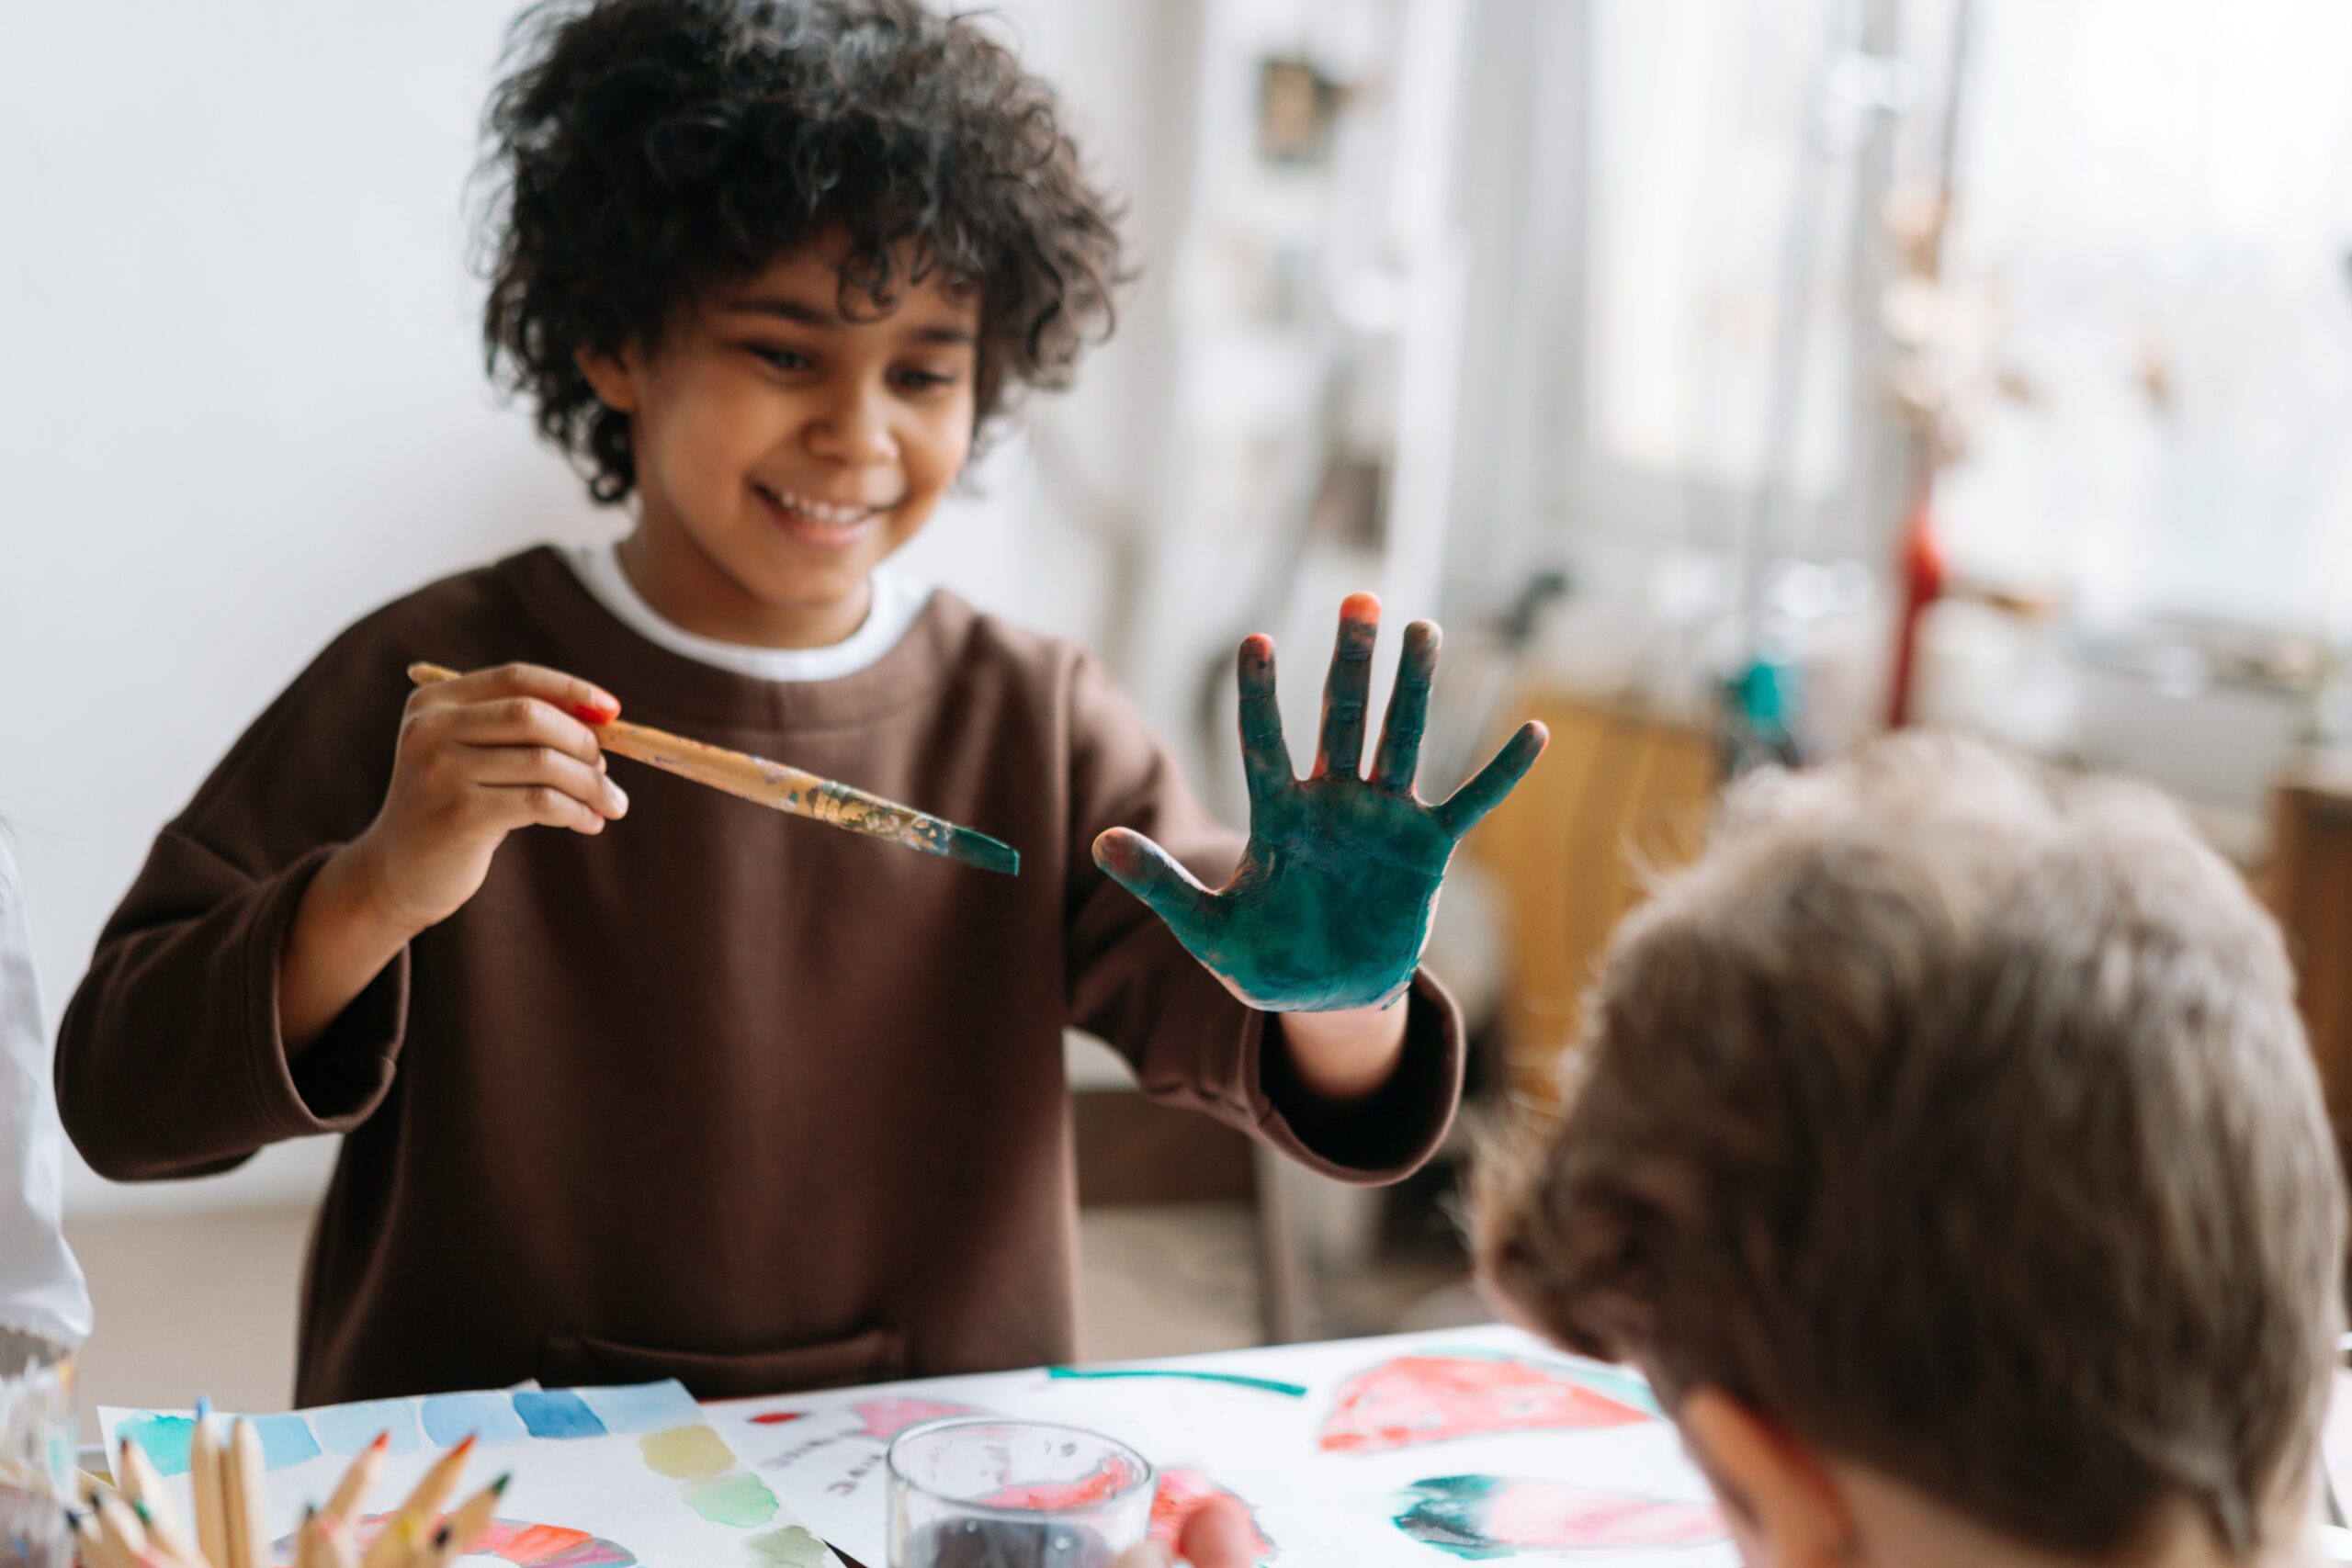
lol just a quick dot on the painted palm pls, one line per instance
(1331, 905)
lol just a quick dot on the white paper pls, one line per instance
(1379, 1483)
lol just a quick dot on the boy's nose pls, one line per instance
(856, 431)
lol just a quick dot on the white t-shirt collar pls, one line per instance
(894, 606)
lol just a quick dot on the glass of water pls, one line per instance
(976, 1492)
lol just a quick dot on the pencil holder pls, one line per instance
(37, 1426)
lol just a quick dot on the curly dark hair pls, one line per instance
(642, 152)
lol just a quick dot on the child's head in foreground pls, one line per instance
(770, 265)
(1946, 1148)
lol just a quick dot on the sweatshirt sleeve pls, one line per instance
(1189, 1040)
(170, 1062)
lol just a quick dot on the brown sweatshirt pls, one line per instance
(719, 1094)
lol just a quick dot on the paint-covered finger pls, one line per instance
(1217, 1533)
(1265, 754)
(1400, 756)
(1348, 691)
(1144, 869)
(1463, 810)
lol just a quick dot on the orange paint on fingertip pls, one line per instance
(1360, 607)
(589, 713)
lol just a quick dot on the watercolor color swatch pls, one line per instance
(603, 1477)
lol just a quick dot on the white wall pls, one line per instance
(241, 398)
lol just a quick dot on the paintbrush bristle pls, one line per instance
(979, 849)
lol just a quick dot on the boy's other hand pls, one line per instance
(1330, 906)
(479, 757)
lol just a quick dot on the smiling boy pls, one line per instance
(691, 1090)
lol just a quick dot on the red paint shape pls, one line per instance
(1111, 1478)
(1431, 1399)
(777, 1417)
(1552, 1515)
(588, 713)
(1180, 1491)
(886, 1418)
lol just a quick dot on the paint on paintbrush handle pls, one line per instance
(804, 793)
(786, 788)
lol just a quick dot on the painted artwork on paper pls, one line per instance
(1480, 1517)
(1410, 1400)
(602, 1477)
(1545, 1456)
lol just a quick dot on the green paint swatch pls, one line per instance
(742, 1500)
(791, 1547)
(684, 1452)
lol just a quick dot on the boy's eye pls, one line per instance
(782, 359)
(923, 380)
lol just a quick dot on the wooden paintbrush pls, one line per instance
(787, 788)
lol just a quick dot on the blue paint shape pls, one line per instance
(163, 1438)
(347, 1429)
(286, 1441)
(644, 1407)
(489, 1418)
(557, 1413)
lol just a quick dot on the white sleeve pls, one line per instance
(41, 1289)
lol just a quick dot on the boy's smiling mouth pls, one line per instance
(823, 522)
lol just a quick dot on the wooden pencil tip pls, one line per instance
(498, 1487)
(466, 1444)
(383, 1440)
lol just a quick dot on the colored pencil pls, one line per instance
(119, 1531)
(474, 1514)
(787, 788)
(142, 1488)
(164, 1542)
(206, 1476)
(423, 1503)
(345, 1505)
(248, 1498)
(337, 1541)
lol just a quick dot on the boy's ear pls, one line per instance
(611, 376)
(1785, 1506)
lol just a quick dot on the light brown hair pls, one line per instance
(1955, 1115)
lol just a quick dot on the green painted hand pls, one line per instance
(1331, 905)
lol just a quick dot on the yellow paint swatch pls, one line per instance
(683, 1452)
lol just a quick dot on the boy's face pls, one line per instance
(784, 448)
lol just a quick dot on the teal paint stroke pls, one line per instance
(1331, 905)
(163, 1438)
(1449, 1513)
(1264, 1385)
